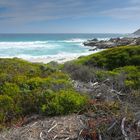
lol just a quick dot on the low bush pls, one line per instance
(27, 88)
(120, 65)
(80, 72)
(132, 76)
(113, 58)
(6, 108)
(63, 102)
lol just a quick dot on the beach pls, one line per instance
(45, 48)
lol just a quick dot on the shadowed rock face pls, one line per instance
(113, 42)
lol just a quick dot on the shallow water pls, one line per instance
(47, 47)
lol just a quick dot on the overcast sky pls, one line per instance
(69, 16)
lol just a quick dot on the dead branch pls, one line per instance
(55, 137)
(67, 138)
(52, 128)
(100, 137)
(112, 126)
(41, 136)
(123, 129)
(33, 124)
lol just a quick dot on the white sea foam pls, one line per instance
(76, 40)
(103, 38)
(25, 45)
(39, 44)
(35, 46)
(61, 57)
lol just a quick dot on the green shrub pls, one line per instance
(19, 79)
(59, 84)
(6, 108)
(113, 58)
(132, 76)
(59, 75)
(64, 102)
(10, 89)
(24, 86)
(35, 83)
(31, 101)
(80, 72)
(103, 75)
(4, 77)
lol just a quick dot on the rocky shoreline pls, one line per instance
(113, 42)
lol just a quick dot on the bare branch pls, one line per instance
(112, 126)
(41, 136)
(123, 129)
(52, 128)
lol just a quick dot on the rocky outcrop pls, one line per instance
(137, 33)
(113, 42)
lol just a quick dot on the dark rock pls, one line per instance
(113, 42)
(93, 49)
(138, 41)
(95, 39)
(115, 39)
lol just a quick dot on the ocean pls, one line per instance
(47, 47)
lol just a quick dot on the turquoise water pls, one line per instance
(47, 47)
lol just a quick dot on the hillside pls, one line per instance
(110, 76)
(27, 88)
(100, 91)
(137, 32)
(113, 58)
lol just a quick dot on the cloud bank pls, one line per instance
(24, 12)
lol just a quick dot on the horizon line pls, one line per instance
(66, 33)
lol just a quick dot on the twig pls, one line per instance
(33, 124)
(100, 137)
(67, 138)
(55, 137)
(52, 128)
(41, 136)
(122, 129)
(80, 132)
(118, 93)
(112, 126)
(53, 122)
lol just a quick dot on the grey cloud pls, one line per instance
(124, 13)
(26, 11)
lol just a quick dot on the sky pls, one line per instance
(69, 16)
